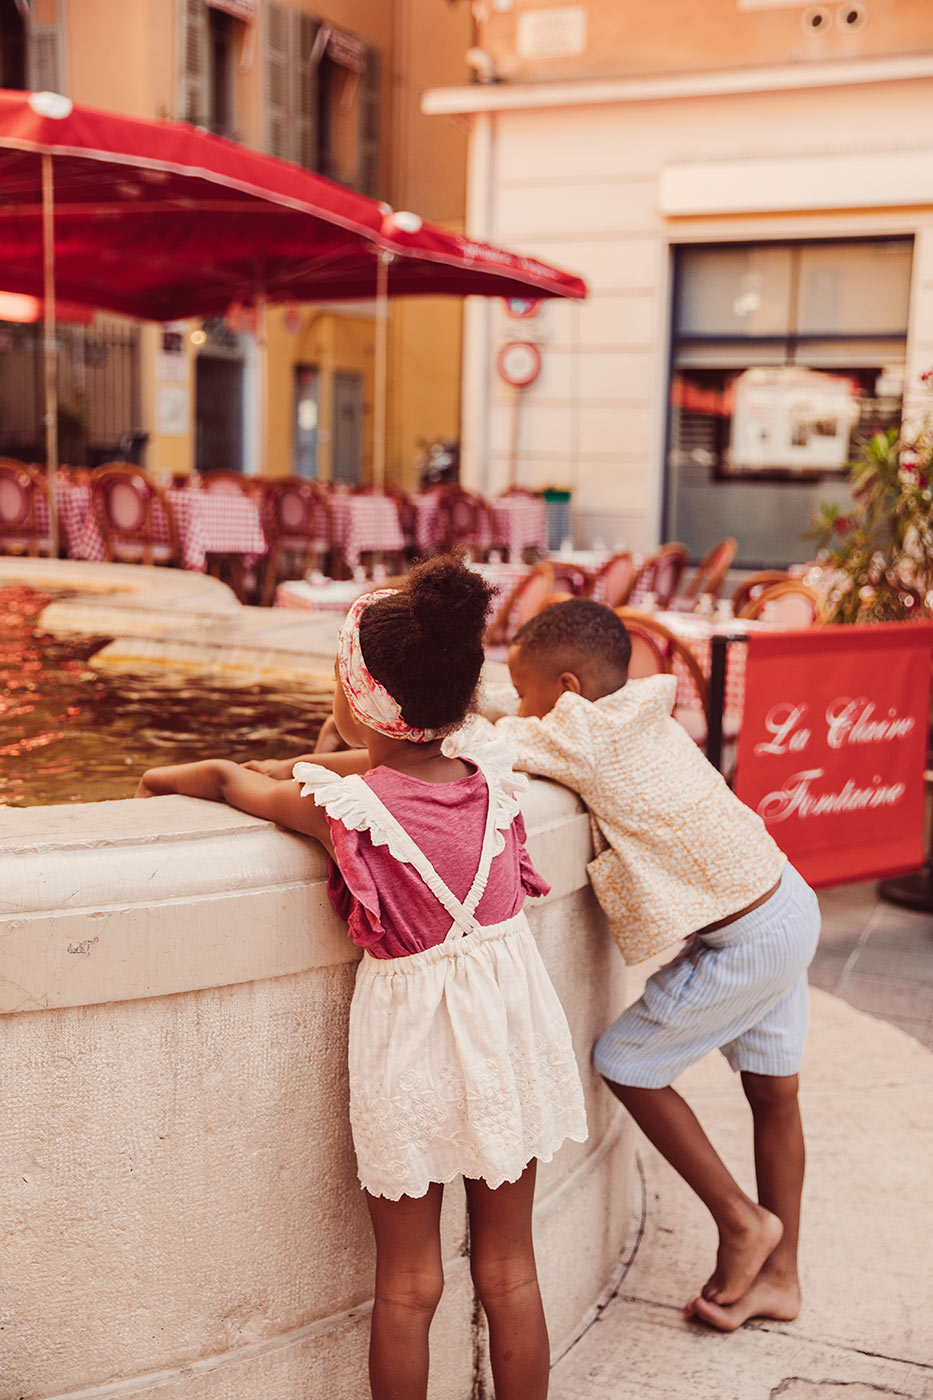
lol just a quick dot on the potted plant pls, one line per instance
(879, 553)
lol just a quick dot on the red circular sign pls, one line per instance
(519, 363)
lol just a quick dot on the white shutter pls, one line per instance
(195, 101)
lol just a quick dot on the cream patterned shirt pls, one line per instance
(676, 849)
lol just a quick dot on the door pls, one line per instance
(307, 384)
(348, 427)
(219, 414)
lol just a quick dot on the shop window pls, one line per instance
(783, 355)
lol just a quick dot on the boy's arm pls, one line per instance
(220, 780)
(553, 747)
(344, 762)
(495, 699)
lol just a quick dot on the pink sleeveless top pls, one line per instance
(387, 906)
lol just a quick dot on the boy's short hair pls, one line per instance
(579, 634)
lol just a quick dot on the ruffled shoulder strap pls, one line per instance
(353, 803)
(480, 743)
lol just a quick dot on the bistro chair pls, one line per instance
(750, 587)
(659, 574)
(791, 603)
(656, 650)
(466, 519)
(571, 579)
(525, 599)
(24, 509)
(708, 577)
(299, 527)
(612, 583)
(134, 516)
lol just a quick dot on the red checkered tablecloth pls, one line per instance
(208, 522)
(697, 634)
(519, 523)
(331, 596)
(73, 502)
(365, 523)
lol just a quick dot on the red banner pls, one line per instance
(833, 746)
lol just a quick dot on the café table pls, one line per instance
(321, 595)
(518, 523)
(208, 522)
(365, 523)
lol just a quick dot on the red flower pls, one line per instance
(841, 524)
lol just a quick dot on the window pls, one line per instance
(783, 354)
(30, 53)
(12, 46)
(322, 97)
(220, 37)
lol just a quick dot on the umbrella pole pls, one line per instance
(262, 335)
(50, 350)
(381, 370)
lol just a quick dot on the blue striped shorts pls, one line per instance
(741, 989)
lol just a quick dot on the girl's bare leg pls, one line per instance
(779, 1168)
(748, 1232)
(409, 1284)
(502, 1262)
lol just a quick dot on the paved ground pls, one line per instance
(878, 957)
(866, 1329)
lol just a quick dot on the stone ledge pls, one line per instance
(95, 896)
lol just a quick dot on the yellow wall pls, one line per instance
(124, 55)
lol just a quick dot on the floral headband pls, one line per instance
(369, 700)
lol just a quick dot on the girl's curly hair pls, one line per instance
(425, 643)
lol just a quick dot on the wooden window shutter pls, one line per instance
(277, 96)
(367, 176)
(304, 72)
(194, 62)
(45, 69)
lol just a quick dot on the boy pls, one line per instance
(679, 856)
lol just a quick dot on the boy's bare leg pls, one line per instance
(779, 1168)
(748, 1232)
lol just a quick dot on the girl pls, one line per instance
(460, 1055)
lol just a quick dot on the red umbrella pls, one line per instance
(158, 220)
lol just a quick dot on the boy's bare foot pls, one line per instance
(742, 1252)
(769, 1296)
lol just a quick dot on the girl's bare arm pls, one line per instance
(220, 780)
(344, 762)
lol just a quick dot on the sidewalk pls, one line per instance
(866, 1328)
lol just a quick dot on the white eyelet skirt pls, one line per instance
(460, 1063)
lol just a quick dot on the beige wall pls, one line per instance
(682, 36)
(580, 173)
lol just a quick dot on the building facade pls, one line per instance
(747, 186)
(333, 85)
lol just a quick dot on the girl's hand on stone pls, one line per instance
(278, 768)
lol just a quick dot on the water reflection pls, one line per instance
(69, 733)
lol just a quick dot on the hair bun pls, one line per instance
(448, 602)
